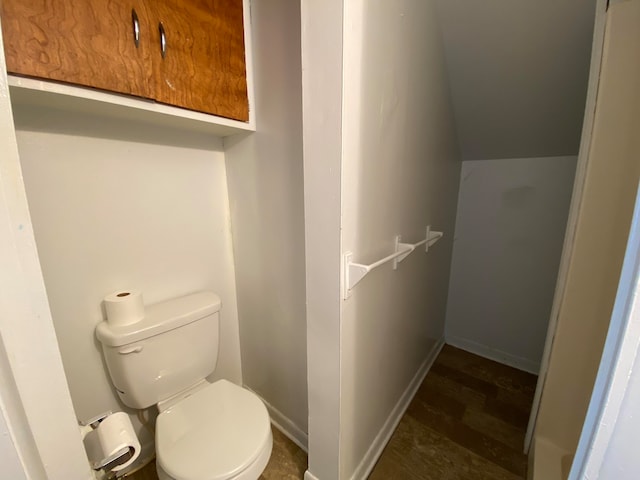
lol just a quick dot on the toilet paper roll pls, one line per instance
(113, 445)
(124, 307)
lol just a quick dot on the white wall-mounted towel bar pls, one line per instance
(354, 272)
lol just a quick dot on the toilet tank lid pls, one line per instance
(159, 318)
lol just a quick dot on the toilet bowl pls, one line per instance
(221, 432)
(204, 431)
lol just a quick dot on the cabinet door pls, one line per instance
(203, 67)
(83, 42)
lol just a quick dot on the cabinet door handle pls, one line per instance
(136, 27)
(163, 40)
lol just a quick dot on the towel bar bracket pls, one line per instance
(353, 273)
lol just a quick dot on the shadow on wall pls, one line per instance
(35, 119)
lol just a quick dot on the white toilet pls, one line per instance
(205, 431)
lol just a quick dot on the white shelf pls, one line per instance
(32, 93)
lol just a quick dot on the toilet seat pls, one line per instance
(221, 432)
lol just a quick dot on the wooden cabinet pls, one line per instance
(200, 69)
(190, 53)
(87, 43)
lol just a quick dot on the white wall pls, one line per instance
(518, 74)
(264, 171)
(400, 173)
(510, 227)
(392, 153)
(120, 205)
(37, 415)
(9, 456)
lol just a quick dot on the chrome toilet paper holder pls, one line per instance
(109, 464)
(95, 421)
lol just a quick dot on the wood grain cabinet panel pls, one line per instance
(81, 42)
(204, 65)
(91, 43)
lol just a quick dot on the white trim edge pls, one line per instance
(310, 476)
(494, 354)
(609, 402)
(574, 209)
(375, 450)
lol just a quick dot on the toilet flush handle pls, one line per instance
(128, 350)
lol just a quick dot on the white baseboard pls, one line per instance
(309, 476)
(492, 354)
(375, 450)
(285, 425)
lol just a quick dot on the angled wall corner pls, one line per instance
(265, 181)
(601, 232)
(518, 73)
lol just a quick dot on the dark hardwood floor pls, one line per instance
(467, 422)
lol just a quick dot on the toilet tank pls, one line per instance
(172, 348)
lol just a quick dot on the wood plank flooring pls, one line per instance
(467, 422)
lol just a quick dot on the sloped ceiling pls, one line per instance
(518, 72)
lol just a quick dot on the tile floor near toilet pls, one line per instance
(467, 422)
